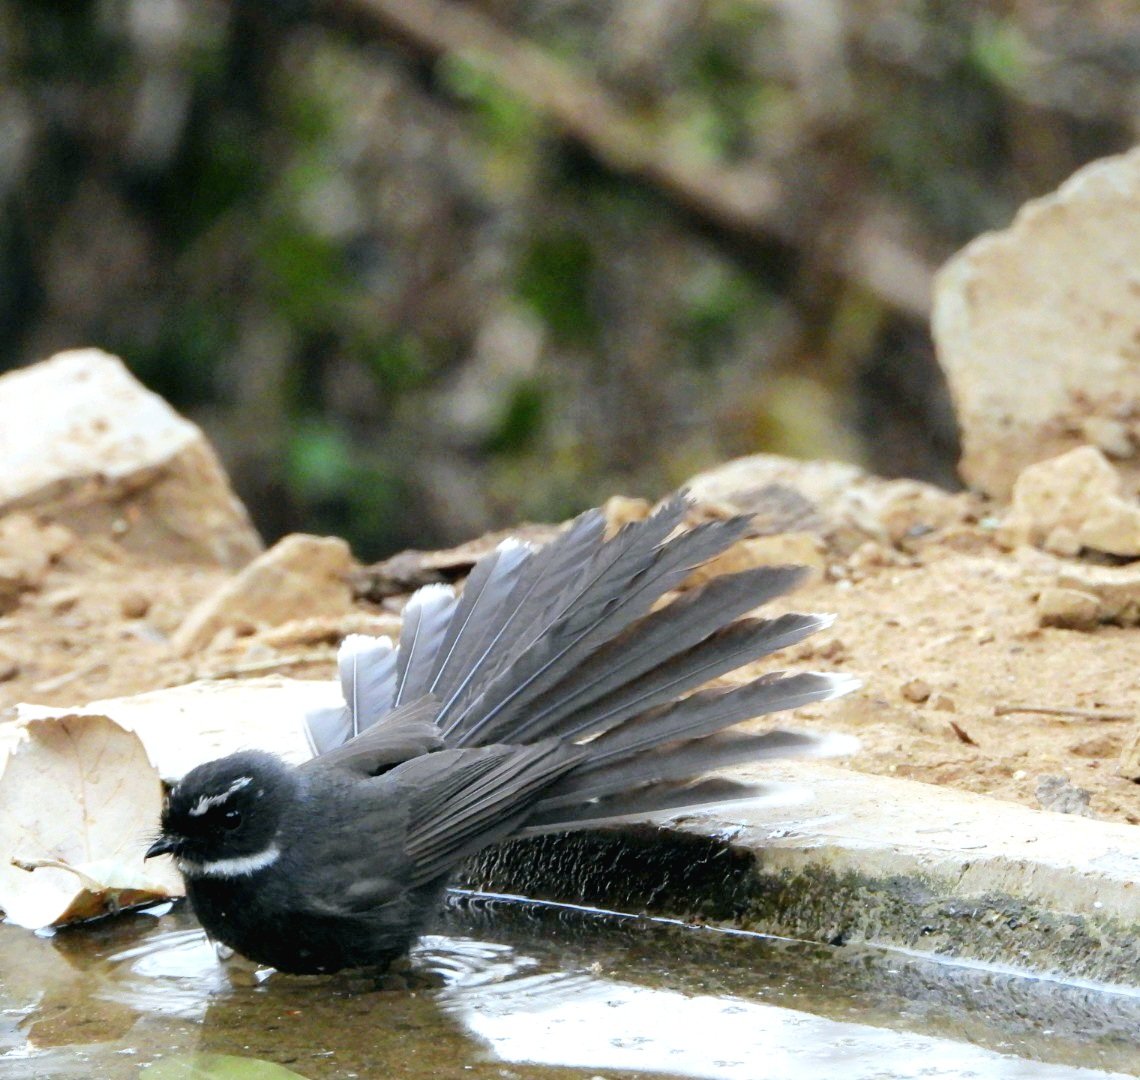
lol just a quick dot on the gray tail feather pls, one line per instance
(654, 799)
(656, 639)
(600, 779)
(651, 757)
(499, 633)
(567, 642)
(623, 581)
(427, 617)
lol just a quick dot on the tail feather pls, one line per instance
(709, 711)
(726, 650)
(678, 762)
(621, 593)
(426, 619)
(659, 637)
(591, 700)
(655, 799)
(553, 613)
(482, 609)
(596, 780)
(537, 582)
(367, 678)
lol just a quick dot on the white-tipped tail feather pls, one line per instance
(568, 646)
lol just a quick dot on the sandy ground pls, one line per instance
(944, 636)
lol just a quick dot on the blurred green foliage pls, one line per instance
(397, 361)
(728, 99)
(502, 119)
(715, 301)
(556, 278)
(521, 420)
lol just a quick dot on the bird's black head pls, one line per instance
(221, 819)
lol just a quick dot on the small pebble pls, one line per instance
(1099, 746)
(9, 669)
(916, 690)
(943, 702)
(832, 650)
(135, 605)
(62, 600)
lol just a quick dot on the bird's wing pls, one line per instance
(407, 732)
(461, 800)
(385, 835)
(338, 894)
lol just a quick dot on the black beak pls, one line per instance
(162, 846)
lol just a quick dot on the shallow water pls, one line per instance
(519, 991)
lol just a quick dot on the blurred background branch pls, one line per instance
(424, 267)
(747, 204)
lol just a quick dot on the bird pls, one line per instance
(566, 686)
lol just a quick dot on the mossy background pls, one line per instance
(407, 305)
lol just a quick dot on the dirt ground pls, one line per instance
(945, 638)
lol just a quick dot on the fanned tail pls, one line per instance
(571, 644)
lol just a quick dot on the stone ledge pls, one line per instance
(893, 862)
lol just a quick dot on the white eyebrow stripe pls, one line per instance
(205, 802)
(238, 866)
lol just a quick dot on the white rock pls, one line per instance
(84, 444)
(1071, 502)
(786, 549)
(299, 577)
(1117, 589)
(1129, 765)
(27, 548)
(1038, 329)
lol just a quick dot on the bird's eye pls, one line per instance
(231, 819)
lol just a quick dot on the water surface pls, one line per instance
(519, 991)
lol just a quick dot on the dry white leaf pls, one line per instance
(78, 799)
(79, 796)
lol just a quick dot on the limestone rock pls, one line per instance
(407, 571)
(299, 577)
(916, 690)
(1069, 609)
(183, 726)
(27, 549)
(329, 630)
(1062, 796)
(620, 510)
(1071, 502)
(1116, 588)
(787, 549)
(1038, 330)
(84, 444)
(1129, 766)
(833, 499)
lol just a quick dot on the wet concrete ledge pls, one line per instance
(869, 859)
